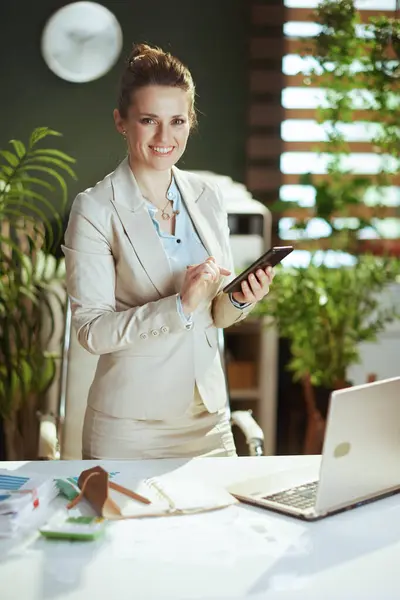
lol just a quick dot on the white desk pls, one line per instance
(238, 552)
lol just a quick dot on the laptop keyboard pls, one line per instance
(301, 496)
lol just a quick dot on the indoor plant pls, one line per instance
(325, 312)
(33, 199)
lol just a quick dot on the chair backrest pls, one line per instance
(78, 369)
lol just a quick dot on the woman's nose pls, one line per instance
(163, 135)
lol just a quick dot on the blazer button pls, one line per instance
(164, 329)
(143, 336)
(155, 332)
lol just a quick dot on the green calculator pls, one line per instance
(75, 528)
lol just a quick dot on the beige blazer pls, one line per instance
(123, 300)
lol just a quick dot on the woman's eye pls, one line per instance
(147, 121)
(178, 121)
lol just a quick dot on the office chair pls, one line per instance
(243, 419)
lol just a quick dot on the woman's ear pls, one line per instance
(119, 122)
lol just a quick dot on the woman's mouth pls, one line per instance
(162, 150)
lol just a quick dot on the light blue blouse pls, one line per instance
(185, 246)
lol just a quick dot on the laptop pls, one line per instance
(360, 459)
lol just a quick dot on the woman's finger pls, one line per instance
(254, 283)
(222, 270)
(206, 269)
(209, 266)
(258, 289)
(202, 278)
(263, 277)
(248, 295)
(213, 268)
(270, 273)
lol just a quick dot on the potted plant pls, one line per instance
(327, 308)
(325, 313)
(33, 198)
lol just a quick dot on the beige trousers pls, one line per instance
(196, 433)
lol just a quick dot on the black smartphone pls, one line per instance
(271, 258)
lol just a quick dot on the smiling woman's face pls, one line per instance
(157, 126)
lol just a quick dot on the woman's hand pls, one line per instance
(256, 286)
(197, 282)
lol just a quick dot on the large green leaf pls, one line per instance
(51, 160)
(55, 153)
(36, 181)
(52, 173)
(5, 173)
(40, 133)
(19, 148)
(10, 157)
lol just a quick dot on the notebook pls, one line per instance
(171, 493)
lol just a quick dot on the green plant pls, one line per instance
(359, 73)
(327, 312)
(359, 77)
(33, 199)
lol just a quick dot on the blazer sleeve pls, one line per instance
(90, 278)
(223, 310)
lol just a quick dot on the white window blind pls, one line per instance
(300, 132)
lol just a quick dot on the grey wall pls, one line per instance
(209, 36)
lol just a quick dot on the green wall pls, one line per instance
(210, 36)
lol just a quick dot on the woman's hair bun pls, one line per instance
(142, 50)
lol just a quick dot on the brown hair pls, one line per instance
(148, 65)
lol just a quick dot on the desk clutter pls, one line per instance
(110, 496)
(20, 496)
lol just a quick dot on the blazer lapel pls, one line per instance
(191, 190)
(132, 211)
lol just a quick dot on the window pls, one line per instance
(300, 131)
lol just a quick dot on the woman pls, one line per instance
(147, 255)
